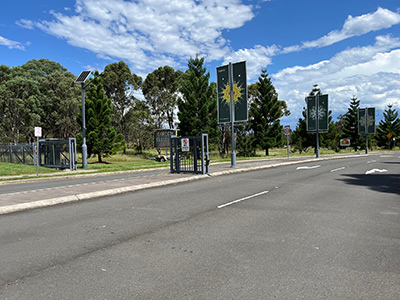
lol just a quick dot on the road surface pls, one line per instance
(322, 230)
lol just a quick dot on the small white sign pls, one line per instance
(38, 131)
(185, 144)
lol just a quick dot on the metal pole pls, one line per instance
(233, 155)
(37, 156)
(84, 147)
(287, 145)
(317, 120)
(366, 130)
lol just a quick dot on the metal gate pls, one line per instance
(189, 154)
(61, 154)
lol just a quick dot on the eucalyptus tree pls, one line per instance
(20, 106)
(38, 93)
(120, 84)
(160, 88)
(140, 126)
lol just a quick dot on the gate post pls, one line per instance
(204, 153)
(10, 152)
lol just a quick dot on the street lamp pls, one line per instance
(81, 79)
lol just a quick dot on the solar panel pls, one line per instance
(82, 77)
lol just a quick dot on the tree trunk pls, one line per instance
(266, 151)
(99, 158)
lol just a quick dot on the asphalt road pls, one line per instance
(74, 180)
(324, 230)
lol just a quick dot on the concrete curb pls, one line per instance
(111, 192)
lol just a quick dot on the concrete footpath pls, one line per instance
(43, 197)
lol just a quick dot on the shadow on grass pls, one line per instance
(384, 183)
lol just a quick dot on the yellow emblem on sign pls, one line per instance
(237, 93)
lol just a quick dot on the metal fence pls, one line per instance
(17, 154)
(52, 153)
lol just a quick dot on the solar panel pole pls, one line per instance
(81, 79)
(84, 147)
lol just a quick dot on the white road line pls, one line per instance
(371, 161)
(375, 170)
(308, 168)
(386, 156)
(242, 199)
(338, 169)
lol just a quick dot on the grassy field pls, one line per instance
(134, 161)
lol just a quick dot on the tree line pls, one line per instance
(42, 93)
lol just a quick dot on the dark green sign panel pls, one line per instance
(239, 93)
(322, 111)
(366, 121)
(224, 115)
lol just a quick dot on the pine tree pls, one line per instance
(389, 124)
(197, 111)
(265, 113)
(102, 139)
(350, 129)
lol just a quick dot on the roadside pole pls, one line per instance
(232, 102)
(38, 133)
(317, 123)
(287, 131)
(366, 127)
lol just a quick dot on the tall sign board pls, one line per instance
(239, 93)
(232, 98)
(317, 108)
(366, 121)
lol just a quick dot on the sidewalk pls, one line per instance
(18, 201)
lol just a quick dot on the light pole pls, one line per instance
(81, 79)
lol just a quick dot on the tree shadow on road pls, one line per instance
(384, 183)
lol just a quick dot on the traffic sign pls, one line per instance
(389, 135)
(287, 130)
(185, 144)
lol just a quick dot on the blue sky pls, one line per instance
(348, 47)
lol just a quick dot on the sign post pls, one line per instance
(287, 131)
(232, 98)
(38, 134)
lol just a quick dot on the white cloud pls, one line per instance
(11, 44)
(256, 59)
(150, 33)
(372, 73)
(28, 24)
(353, 26)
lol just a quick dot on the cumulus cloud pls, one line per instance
(11, 44)
(353, 26)
(371, 73)
(256, 58)
(150, 33)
